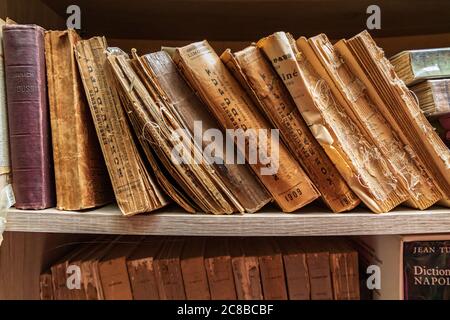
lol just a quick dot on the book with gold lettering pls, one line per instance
(272, 163)
(401, 106)
(358, 160)
(81, 177)
(363, 108)
(135, 187)
(269, 92)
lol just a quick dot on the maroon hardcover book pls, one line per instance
(29, 122)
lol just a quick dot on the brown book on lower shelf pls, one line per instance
(282, 175)
(273, 278)
(193, 269)
(81, 177)
(168, 270)
(219, 269)
(247, 278)
(296, 269)
(141, 269)
(113, 269)
(262, 82)
(46, 286)
(318, 261)
(135, 187)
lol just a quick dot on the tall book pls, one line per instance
(247, 278)
(357, 159)
(29, 123)
(135, 188)
(433, 96)
(141, 270)
(256, 74)
(46, 286)
(413, 66)
(354, 97)
(81, 177)
(272, 163)
(193, 269)
(163, 76)
(169, 277)
(219, 269)
(401, 107)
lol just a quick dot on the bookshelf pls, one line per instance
(311, 221)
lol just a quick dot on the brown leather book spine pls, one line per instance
(345, 275)
(271, 95)
(46, 286)
(29, 123)
(193, 269)
(219, 270)
(115, 281)
(285, 180)
(318, 261)
(81, 177)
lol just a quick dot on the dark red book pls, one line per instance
(29, 122)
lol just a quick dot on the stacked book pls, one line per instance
(283, 120)
(158, 268)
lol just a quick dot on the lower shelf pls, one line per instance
(312, 221)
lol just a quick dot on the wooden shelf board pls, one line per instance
(312, 221)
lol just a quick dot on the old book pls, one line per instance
(172, 88)
(413, 66)
(357, 159)
(263, 83)
(354, 97)
(46, 286)
(81, 177)
(318, 262)
(247, 278)
(29, 123)
(113, 269)
(273, 278)
(401, 107)
(296, 269)
(169, 278)
(433, 96)
(141, 269)
(219, 269)
(272, 163)
(193, 269)
(134, 186)
(175, 147)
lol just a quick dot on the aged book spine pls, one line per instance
(193, 269)
(434, 97)
(319, 275)
(172, 87)
(403, 108)
(354, 98)
(46, 286)
(344, 272)
(357, 159)
(81, 177)
(266, 87)
(29, 123)
(115, 280)
(286, 181)
(134, 187)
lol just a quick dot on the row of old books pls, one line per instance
(427, 73)
(350, 129)
(175, 268)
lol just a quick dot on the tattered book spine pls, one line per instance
(270, 93)
(81, 177)
(134, 187)
(280, 173)
(358, 160)
(29, 123)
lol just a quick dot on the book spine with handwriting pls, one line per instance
(46, 286)
(29, 122)
(357, 159)
(403, 108)
(354, 98)
(81, 177)
(193, 270)
(270, 93)
(172, 87)
(134, 186)
(285, 180)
